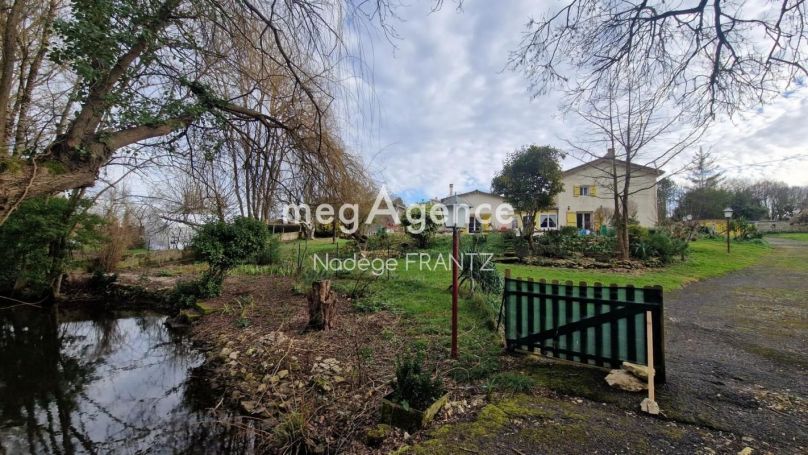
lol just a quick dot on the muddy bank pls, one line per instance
(314, 389)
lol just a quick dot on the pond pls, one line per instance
(71, 383)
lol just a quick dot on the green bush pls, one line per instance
(421, 218)
(270, 253)
(560, 244)
(37, 239)
(223, 246)
(184, 295)
(598, 246)
(414, 387)
(744, 230)
(549, 245)
(660, 244)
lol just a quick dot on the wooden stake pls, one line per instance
(649, 405)
(650, 348)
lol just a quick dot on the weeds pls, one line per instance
(239, 309)
(510, 382)
(306, 277)
(370, 306)
(414, 387)
(293, 434)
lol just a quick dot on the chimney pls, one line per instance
(609, 153)
(451, 189)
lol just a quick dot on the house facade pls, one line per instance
(586, 203)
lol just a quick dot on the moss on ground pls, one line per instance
(539, 424)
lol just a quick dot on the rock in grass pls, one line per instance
(622, 380)
(640, 371)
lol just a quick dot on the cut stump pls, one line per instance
(322, 306)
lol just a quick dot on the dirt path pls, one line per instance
(737, 356)
(737, 349)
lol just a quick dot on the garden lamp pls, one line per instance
(456, 214)
(728, 216)
(457, 217)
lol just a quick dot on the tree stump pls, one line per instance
(322, 306)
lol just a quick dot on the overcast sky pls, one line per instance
(446, 110)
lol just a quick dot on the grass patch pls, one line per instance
(708, 258)
(800, 236)
(510, 382)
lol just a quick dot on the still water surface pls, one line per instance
(108, 384)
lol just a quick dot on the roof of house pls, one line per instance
(606, 160)
(468, 193)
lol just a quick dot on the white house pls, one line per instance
(586, 202)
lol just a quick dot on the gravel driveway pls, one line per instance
(737, 350)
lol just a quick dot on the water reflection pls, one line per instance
(109, 384)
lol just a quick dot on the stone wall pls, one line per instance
(779, 226)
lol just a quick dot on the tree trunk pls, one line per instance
(322, 306)
(530, 226)
(9, 57)
(625, 254)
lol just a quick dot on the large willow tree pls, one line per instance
(82, 80)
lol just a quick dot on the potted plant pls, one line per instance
(416, 396)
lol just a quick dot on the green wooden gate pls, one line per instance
(597, 325)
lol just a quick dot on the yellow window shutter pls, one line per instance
(593, 190)
(571, 219)
(576, 191)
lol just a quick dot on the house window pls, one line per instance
(548, 221)
(584, 190)
(583, 220)
(474, 224)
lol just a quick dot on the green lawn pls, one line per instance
(708, 258)
(290, 250)
(801, 236)
(421, 294)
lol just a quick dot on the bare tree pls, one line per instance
(711, 55)
(642, 131)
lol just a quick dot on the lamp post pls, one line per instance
(728, 216)
(456, 218)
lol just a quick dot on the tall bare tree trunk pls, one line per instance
(7, 67)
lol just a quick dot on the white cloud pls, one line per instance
(449, 111)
